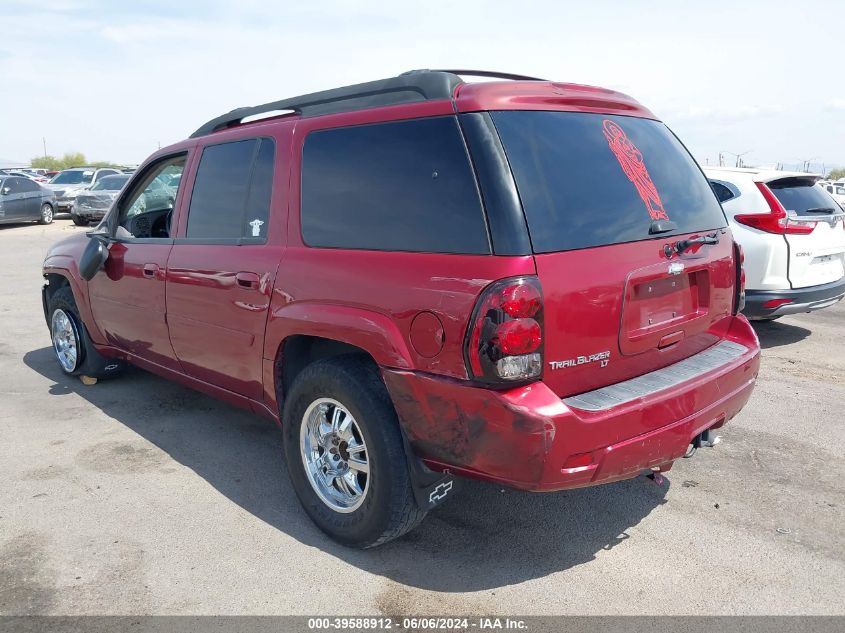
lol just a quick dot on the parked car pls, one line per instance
(836, 191)
(792, 235)
(69, 183)
(38, 175)
(22, 173)
(92, 204)
(489, 280)
(24, 200)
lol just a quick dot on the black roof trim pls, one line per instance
(489, 73)
(409, 87)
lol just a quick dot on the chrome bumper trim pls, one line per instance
(641, 386)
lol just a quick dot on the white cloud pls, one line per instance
(113, 79)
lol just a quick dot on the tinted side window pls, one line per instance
(26, 186)
(258, 199)
(405, 186)
(231, 196)
(589, 179)
(722, 192)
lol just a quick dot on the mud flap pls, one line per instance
(430, 488)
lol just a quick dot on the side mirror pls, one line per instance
(93, 257)
(5, 190)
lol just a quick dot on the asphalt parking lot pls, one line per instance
(138, 496)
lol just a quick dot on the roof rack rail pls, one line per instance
(409, 87)
(406, 88)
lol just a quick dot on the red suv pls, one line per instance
(521, 281)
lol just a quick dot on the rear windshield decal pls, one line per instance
(631, 160)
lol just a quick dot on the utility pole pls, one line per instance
(739, 156)
(805, 167)
(44, 143)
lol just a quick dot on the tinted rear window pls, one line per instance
(802, 196)
(404, 186)
(590, 180)
(231, 196)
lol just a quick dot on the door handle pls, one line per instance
(248, 280)
(151, 270)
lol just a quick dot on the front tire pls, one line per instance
(46, 216)
(78, 221)
(345, 454)
(71, 344)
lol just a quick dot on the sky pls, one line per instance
(114, 80)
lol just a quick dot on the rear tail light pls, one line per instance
(777, 220)
(739, 298)
(505, 337)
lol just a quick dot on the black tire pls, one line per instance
(88, 361)
(79, 221)
(389, 509)
(46, 216)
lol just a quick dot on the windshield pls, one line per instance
(800, 196)
(590, 179)
(72, 177)
(110, 183)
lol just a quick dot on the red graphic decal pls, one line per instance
(631, 160)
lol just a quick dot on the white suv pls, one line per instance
(793, 236)
(836, 191)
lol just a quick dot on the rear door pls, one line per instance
(14, 199)
(608, 199)
(816, 256)
(31, 196)
(221, 272)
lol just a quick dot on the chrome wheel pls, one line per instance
(46, 213)
(334, 455)
(65, 340)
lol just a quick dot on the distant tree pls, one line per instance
(836, 174)
(47, 162)
(101, 163)
(70, 159)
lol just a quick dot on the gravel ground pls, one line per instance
(138, 496)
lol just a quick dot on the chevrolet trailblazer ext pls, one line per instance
(521, 281)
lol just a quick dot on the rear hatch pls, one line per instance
(607, 200)
(816, 239)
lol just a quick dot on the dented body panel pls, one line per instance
(524, 436)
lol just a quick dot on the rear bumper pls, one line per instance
(523, 437)
(89, 214)
(800, 299)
